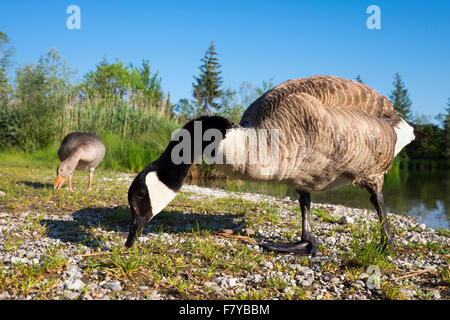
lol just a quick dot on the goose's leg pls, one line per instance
(70, 183)
(378, 202)
(305, 207)
(308, 245)
(91, 175)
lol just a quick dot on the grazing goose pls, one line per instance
(78, 151)
(329, 132)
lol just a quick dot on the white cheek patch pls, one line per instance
(405, 134)
(160, 194)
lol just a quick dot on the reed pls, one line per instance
(134, 131)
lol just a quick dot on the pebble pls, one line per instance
(154, 296)
(335, 280)
(347, 220)
(74, 283)
(226, 281)
(434, 294)
(306, 277)
(363, 276)
(288, 290)
(422, 227)
(406, 293)
(73, 270)
(256, 277)
(112, 285)
(267, 264)
(232, 282)
(415, 238)
(17, 260)
(358, 284)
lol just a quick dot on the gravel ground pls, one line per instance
(418, 270)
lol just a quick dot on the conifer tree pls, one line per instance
(447, 131)
(358, 79)
(206, 88)
(399, 97)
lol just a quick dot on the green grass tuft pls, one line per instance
(367, 248)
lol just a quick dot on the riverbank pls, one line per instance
(420, 194)
(204, 245)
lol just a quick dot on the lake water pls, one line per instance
(423, 195)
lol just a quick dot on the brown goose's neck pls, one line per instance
(72, 160)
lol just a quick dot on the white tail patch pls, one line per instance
(405, 134)
(160, 194)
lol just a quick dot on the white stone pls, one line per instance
(74, 283)
(112, 285)
(232, 282)
(347, 220)
(256, 277)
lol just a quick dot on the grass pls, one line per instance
(443, 232)
(435, 247)
(392, 292)
(184, 268)
(23, 279)
(366, 248)
(118, 264)
(324, 215)
(180, 266)
(444, 274)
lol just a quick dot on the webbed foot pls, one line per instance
(304, 247)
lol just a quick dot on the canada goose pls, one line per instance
(331, 132)
(78, 151)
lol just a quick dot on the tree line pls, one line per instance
(43, 103)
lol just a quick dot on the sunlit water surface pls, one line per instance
(423, 195)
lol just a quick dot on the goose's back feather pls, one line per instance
(89, 145)
(332, 92)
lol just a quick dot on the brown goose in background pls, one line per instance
(331, 132)
(78, 151)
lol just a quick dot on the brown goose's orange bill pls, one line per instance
(59, 182)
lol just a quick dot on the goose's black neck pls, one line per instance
(172, 174)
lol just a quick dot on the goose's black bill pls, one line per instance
(137, 223)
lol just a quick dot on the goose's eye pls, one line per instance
(140, 193)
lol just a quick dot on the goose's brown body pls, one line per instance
(332, 131)
(85, 150)
(78, 151)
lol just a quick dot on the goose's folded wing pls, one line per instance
(332, 92)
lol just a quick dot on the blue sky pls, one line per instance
(256, 40)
